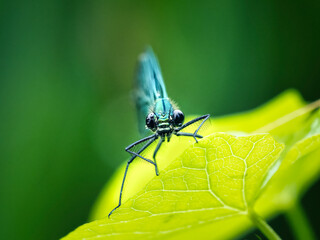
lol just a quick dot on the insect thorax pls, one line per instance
(163, 109)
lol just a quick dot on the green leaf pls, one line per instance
(238, 124)
(216, 179)
(300, 167)
(212, 189)
(252, 121)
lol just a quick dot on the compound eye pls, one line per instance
(178, 118)
(151, 121)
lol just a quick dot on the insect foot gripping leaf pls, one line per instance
(208, 192)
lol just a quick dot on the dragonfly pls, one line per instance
(156, 113)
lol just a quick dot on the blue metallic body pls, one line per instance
(150, 91)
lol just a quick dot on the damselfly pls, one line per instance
(156, 113)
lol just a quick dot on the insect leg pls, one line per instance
(203, 118)
(124, 178)
(188, 134)
(127, 167)
(153, 137)
(155, 153)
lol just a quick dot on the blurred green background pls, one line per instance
(66, 75)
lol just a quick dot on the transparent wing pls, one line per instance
(149, 86)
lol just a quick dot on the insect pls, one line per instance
(156, 112)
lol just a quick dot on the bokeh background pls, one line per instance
(66, 75)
